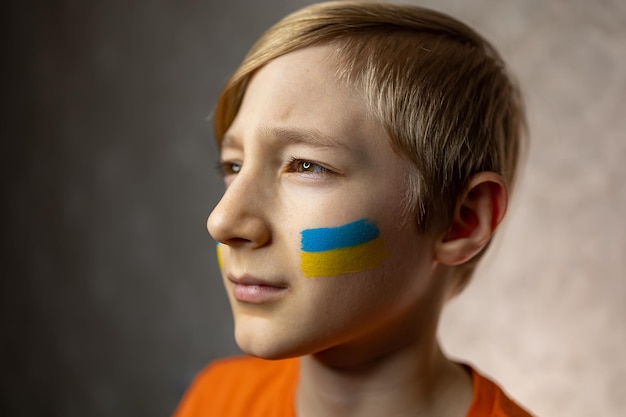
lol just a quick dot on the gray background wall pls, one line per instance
(110, 296)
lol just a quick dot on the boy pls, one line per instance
(368, 151)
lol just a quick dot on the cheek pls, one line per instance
(332, 251)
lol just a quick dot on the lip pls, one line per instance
(249, 289)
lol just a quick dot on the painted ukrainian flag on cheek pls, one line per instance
(346, 249)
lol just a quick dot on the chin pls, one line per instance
(266, 351)
(265, 345)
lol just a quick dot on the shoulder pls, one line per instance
(490, 400)
(233, 386)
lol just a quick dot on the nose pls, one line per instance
(239, 219)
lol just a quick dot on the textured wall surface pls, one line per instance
(110, 296)
(546, 316)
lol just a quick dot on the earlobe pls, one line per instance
(479, 210)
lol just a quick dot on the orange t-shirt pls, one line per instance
(250, 387)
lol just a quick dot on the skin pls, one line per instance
(367, 339)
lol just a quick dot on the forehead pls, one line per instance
(302, 89)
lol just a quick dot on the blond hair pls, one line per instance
(440, 90)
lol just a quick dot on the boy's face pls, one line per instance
(307, 174)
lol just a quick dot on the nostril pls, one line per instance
(237, 241)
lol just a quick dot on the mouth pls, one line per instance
(248, 289)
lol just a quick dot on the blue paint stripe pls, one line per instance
(329, 238)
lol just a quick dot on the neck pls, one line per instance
(402, 384)
(401, 371)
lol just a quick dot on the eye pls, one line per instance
(302, 165)
(226, 168)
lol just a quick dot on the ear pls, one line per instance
(479, 210)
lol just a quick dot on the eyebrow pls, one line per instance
(304, 136)
(291, 135)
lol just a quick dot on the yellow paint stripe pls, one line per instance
(358, 258)
(220, 262)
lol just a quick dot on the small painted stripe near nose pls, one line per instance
(218, 251)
